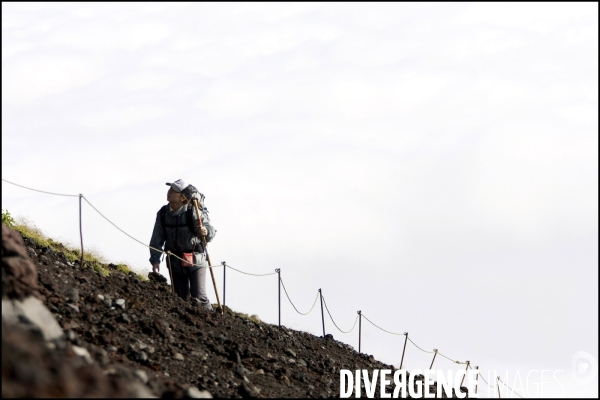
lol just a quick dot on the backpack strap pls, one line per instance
(162, 220)
(189, 219)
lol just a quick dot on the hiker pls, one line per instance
(177, 229)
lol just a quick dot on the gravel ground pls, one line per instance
(124, 337)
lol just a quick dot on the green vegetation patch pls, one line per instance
(100, 269)
(92, 258)
(7, 219)
(141, 277)
(253, 317)
(32, 232)
(123, 268)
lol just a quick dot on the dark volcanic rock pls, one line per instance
(126, 337)
(19, 274)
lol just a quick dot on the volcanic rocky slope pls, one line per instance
(119, 336)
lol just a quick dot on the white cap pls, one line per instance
(179, 185)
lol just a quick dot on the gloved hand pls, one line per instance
(204, 231)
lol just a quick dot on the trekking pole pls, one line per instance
(212, 274)
(170, 271)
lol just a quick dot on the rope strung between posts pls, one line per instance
(509, 388)
(409, 339)
(248, 273)
(479, 373)
(454, 361)
(286, 293)
(486, 382)
(399, 334)
(103, 216)
(431, 352)
(193, 265)
(327, 308)
(42, 191)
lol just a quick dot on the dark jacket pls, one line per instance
(180, 239)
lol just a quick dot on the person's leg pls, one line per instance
(198, 287)
(181, 284)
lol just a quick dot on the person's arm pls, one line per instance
(211, 231)
(157, 241)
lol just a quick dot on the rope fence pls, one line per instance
(448, 358)
(288, 296)
(355, 320)
(497, 378)
(391, 333)
(425, 351)
(500, 380)
(248, 273)
(280, 284)
(113, 224)
(486, 382)
(41, 191)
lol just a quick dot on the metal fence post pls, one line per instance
(404, 349)
(498, 383)
(466, 370)
(224, 269)
(279, 293)
(359, 328)
(435, 354)
(476, 380)
(322, 315)
(80, 230)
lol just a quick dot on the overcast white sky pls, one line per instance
(433, 165)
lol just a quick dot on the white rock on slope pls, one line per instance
(32, 313)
